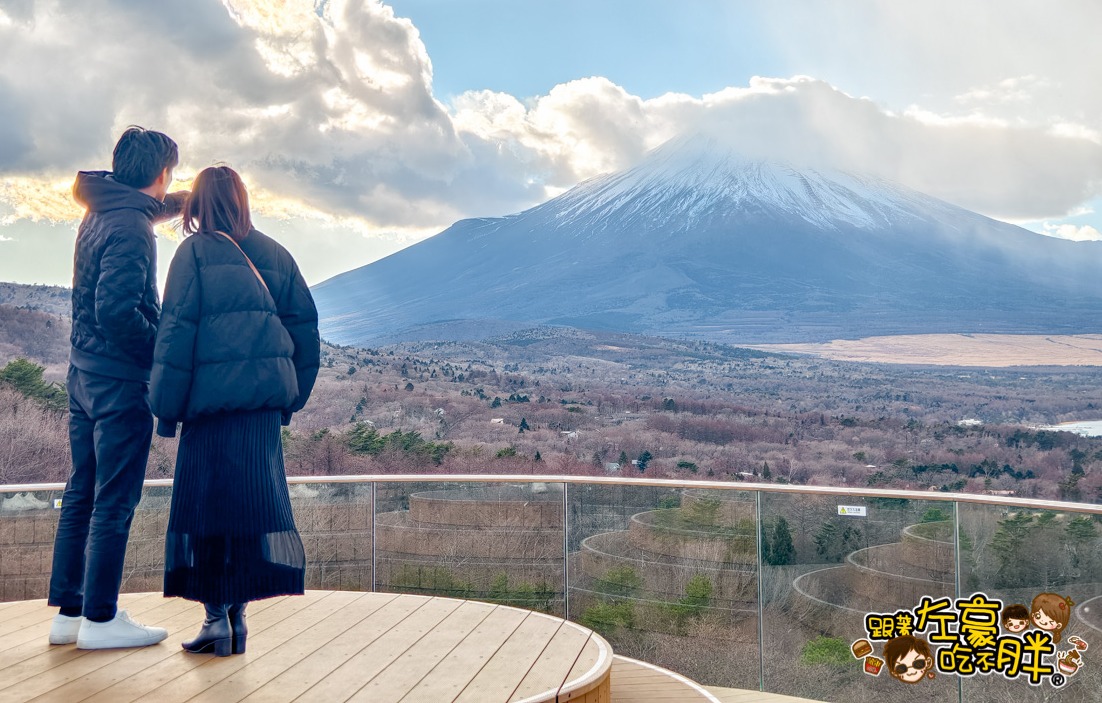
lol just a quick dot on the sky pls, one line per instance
(362, 127)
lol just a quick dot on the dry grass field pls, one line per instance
(987, 350)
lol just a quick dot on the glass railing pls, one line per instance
(787, 589)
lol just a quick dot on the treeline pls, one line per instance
(719, 430)
(1038, 548)
(54, 300)
(34, 334)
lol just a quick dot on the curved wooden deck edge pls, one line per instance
(592, 685)
(685, 687)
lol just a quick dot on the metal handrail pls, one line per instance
(800, 583)
(1005, 501)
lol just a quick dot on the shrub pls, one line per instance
(606, 618)
(934, 515)
(620, 581)
(826, 650)
(365, 439)
(698, 594)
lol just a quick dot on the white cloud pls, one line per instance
(6, 239)
(1084, 233)
(1009, 90)
(1076, 131)
(333, 119)
(1044, 57)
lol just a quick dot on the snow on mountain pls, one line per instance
(690, 179)
(698, 240)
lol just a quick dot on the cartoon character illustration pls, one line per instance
(1016, 618)
(908, 658)
(1051, 612)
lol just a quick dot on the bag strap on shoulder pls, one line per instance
(247, 259)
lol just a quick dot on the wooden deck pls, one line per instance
(341, 646)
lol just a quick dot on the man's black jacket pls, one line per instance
(115, 301)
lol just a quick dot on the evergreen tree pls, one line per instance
(26, 377)
(766, 551)
(833, 544)
(644, 459)
(623, 460)
(825, 539)
(365, 439)
(781, 550)
(523, 425)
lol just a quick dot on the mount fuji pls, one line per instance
(698, 241)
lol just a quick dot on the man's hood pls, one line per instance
(99, 192)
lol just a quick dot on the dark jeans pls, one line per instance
(110, 428)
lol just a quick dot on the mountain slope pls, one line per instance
(698, 241)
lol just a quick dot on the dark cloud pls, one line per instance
(15, 137)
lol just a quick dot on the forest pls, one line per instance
(558, 400)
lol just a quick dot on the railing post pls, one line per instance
(761, 604)
(566, 549)
(956, 578)
(374, 488)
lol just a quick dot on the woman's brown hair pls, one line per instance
(218, 202)
(1056, 607)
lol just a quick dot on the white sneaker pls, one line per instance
(118, 632)
(64, 629)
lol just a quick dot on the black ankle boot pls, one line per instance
(236, 614)
(215, 635)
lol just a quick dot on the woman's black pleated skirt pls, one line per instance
(231, 535)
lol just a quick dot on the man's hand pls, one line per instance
(174, 204)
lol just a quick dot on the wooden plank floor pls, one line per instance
(634, 681)
(341, 646)
(324, 646)
(734, 695)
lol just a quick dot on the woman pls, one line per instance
(1052, 612)
(237, 353)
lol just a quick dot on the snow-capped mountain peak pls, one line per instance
(691, 179)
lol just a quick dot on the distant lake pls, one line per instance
(1087, 428)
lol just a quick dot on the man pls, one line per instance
(115, 313)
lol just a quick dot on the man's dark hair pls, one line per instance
(141, 155)
(1016, 612)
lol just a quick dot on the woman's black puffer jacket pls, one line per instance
(226, 344)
